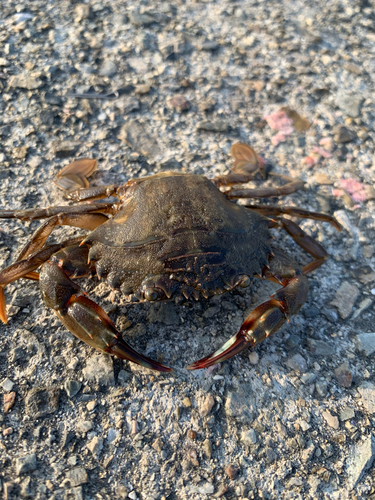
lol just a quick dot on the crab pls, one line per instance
(170, 234)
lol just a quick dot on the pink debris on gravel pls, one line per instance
(355, 189)
(280, 121)
(309, 161)
(322, 152)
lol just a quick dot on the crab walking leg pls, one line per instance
(25, 269)
(303, 240)
(84, 318)
(268, 317)
(39, 238)
(265, 192)
(44, 213)
(294, 212)
(92, 193)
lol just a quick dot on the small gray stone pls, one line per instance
(366, 343)
(349, 103)
(7, 385)
(72, 387)
(360, 459)
(100, 369)
(42, 401)
(298, 363)
(321, 387)
(139, 19)
(308, 378)
(367, 391)
(249, 437)
(345, 298)
(137, 138)
(77, 476)
(241, 405)
(319, 348)
(109, 68)
(346, 414)
(213, 126)
(26, 463)
(84, 426)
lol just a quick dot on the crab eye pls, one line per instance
(152, 294)
(245, 282)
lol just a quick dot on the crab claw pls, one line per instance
(233, 346)
(261, 322)
(90, 323)
(85, 319)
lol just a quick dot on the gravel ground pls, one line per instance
(292, 419)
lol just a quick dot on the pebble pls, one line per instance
(360, 459)
(64, 149)
(249, 437)
(241, 405)
(77, 476)
(179, 103)
(343, 375)
(25, 81)
(139, 19)
(142, 89)
(331, 420)
(99, 368)
(298, 363)
(207, 448)
(343, 135)
(367, 391)
(95, 446)
(321, 388)
(137, 138)
(84, 426)
(27, 463)
(254, 358)
(366, 343)
(362, 306)
(350, 104)
(346, 414)
(345, 298)
(109, 68)
(320, 348)
(232, 471)
(213, 126)
(7, 385)
(72, 387)
(207, 405)
(42, 401)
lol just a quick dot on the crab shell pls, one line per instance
(177, 234)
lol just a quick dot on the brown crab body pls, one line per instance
(170, 234)
(179, 235)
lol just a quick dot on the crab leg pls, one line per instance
(43, 213)
(294, 212)
(84, 318)
(84, 221)
(92, 193)
(268, 317)
(304, 241)
(266, 192)
(24, 269)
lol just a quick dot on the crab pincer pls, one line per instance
(85, 319)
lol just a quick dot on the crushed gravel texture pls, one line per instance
(295, 418)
